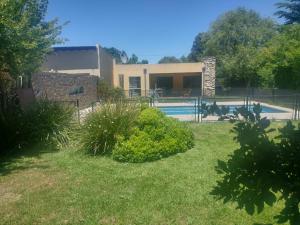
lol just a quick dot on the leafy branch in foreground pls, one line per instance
(263, 169)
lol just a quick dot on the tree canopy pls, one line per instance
(236, 35)
(289, 10)
(169, 59)
(173, 59)
(25, 36)
(119, 55)
(279, 62)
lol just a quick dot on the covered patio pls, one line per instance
(176, 84)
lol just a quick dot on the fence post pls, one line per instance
(195, 109)
(78, 111)
(298, 106)
(198, 108)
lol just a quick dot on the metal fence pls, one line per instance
(201, 109)
(276, 104)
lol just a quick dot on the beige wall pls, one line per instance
(106, 66)
(174, 69)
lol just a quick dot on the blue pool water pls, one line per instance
(190, 110)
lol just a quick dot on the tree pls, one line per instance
(169, 59)
(289, 10)
(279, 62)
(237, 33)
(119, 55)
(25, 36)
(184, 59)
(144, 61)
(198, 47)
(263, 169)
(133, 59)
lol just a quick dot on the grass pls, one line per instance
(67, 187)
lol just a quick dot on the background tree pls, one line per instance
(169, 59)
(144, 61)
(119, 55)
(235, 34)
(198, 47)
(289, 10)
(133, 59)
(279, 62)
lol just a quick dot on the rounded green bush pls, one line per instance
(157, 137)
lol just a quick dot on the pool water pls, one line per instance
(190, 110)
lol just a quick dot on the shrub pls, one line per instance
(102, 128)
(48, 121)
(44, 121)
(263, 169)
(157, 136)
(108, 93)
(11, 127)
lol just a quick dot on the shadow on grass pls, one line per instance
(21, 159)
(262, 224)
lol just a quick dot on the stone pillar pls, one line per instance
(209, 76)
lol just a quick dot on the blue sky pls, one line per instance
(149, 28)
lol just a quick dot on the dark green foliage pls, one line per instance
(157, 137)
(289, 10)
(169, 59)
(108, 93)
(11, 125)
(213, 109)
(262, 170)
(173, 59)
(234, 39)
(198, 48)
(103, 128)
(43, 121)
(47, 121)
(25, 36)
(279, 60)
(119, 55)
(135, 60)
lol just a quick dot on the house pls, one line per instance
(174, 79)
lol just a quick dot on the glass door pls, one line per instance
(134, 86)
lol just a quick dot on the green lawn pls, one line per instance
(67, 187)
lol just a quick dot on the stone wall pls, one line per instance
(209, 76)
(66, 87)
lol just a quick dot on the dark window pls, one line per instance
(76, 90)
(134, 86)
(121, 81)
(193, 82)
(164, 82)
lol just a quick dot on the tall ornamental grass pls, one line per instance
(109, 123)
(42, 122)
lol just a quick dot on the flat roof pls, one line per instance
(74, 48)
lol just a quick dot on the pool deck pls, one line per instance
(286, 115)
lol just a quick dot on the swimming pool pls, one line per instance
(191, 110)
